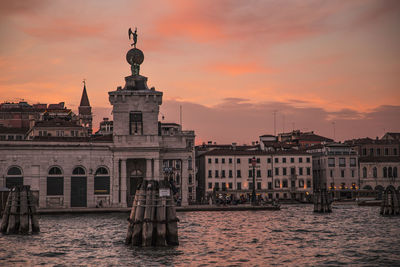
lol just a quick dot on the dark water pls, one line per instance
(294, 236)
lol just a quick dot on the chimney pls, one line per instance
(234, 146)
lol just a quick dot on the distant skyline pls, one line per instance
(229, 64)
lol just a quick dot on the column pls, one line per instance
(90, 189)
(157, 170)
(123, 182)
(115, 183)
(184, 182)
(148, 170)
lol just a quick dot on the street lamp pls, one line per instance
(253, 196)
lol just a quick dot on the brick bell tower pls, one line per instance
(85, 111)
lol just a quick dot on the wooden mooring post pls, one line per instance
(20, 212)
(390, 201)
(153, 221)
(322, 201)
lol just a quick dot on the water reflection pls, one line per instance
(292, 236)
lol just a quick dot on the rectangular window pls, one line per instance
(276, 160)
(258, 160)
(283, 160)
(216, 174)
(352, 162)
(292, 171)
(364, 151)
(258, 185)
(300, 171)
(331, 162)
(223, 161)
(249, 160)
(230, 173)
(209, 160)
(55, 186)
(102, 185)
(386, 151)
(250, 185)
(239, 186)
(223, 186)
(300, 160)
(269, 185)
(284, 183)
(209, 185)
(342, 162)
(223, 173)
(258, 173)
(230, 186)
(291, 160)
(276, 171)
(216, 186)
(342, 173)
(371, 152)
(238, 174)
(277, 184)
(331, 173)
(308, 171)
(238, 161)
(284, 171)
(378, 151)
(395, 151)
(135, 123)
(352, 173)
(250, 173)
(209, 174)
(216, 160)
(230, 160)
(308, 160)
(269, 173)
(308, 183)
(269, 160)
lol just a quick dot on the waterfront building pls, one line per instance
(379, 161)
(278, 175)
(104, 171)
(335, 167)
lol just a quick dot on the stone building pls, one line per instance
(278, 175)
(335, 167)
(105, 170)
(379, 161)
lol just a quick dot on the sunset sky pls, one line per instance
(230, 64)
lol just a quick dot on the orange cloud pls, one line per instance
(237, 69)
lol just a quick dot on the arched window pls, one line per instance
(390, 174)
(78, 171)
(14, 177)
(55, 182)
(375, 172)
(101, 182)
(384, 172)
(364, 172)
(394, 172)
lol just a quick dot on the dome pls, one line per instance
(135, 56)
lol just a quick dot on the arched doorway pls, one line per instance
(135, 179)
(78, 188)
(14, 177)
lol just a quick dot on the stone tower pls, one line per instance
(135, 107)
(85, 111)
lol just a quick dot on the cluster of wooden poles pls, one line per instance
(322, 201)
(390, 201)
(20, 212)
(153, 221)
